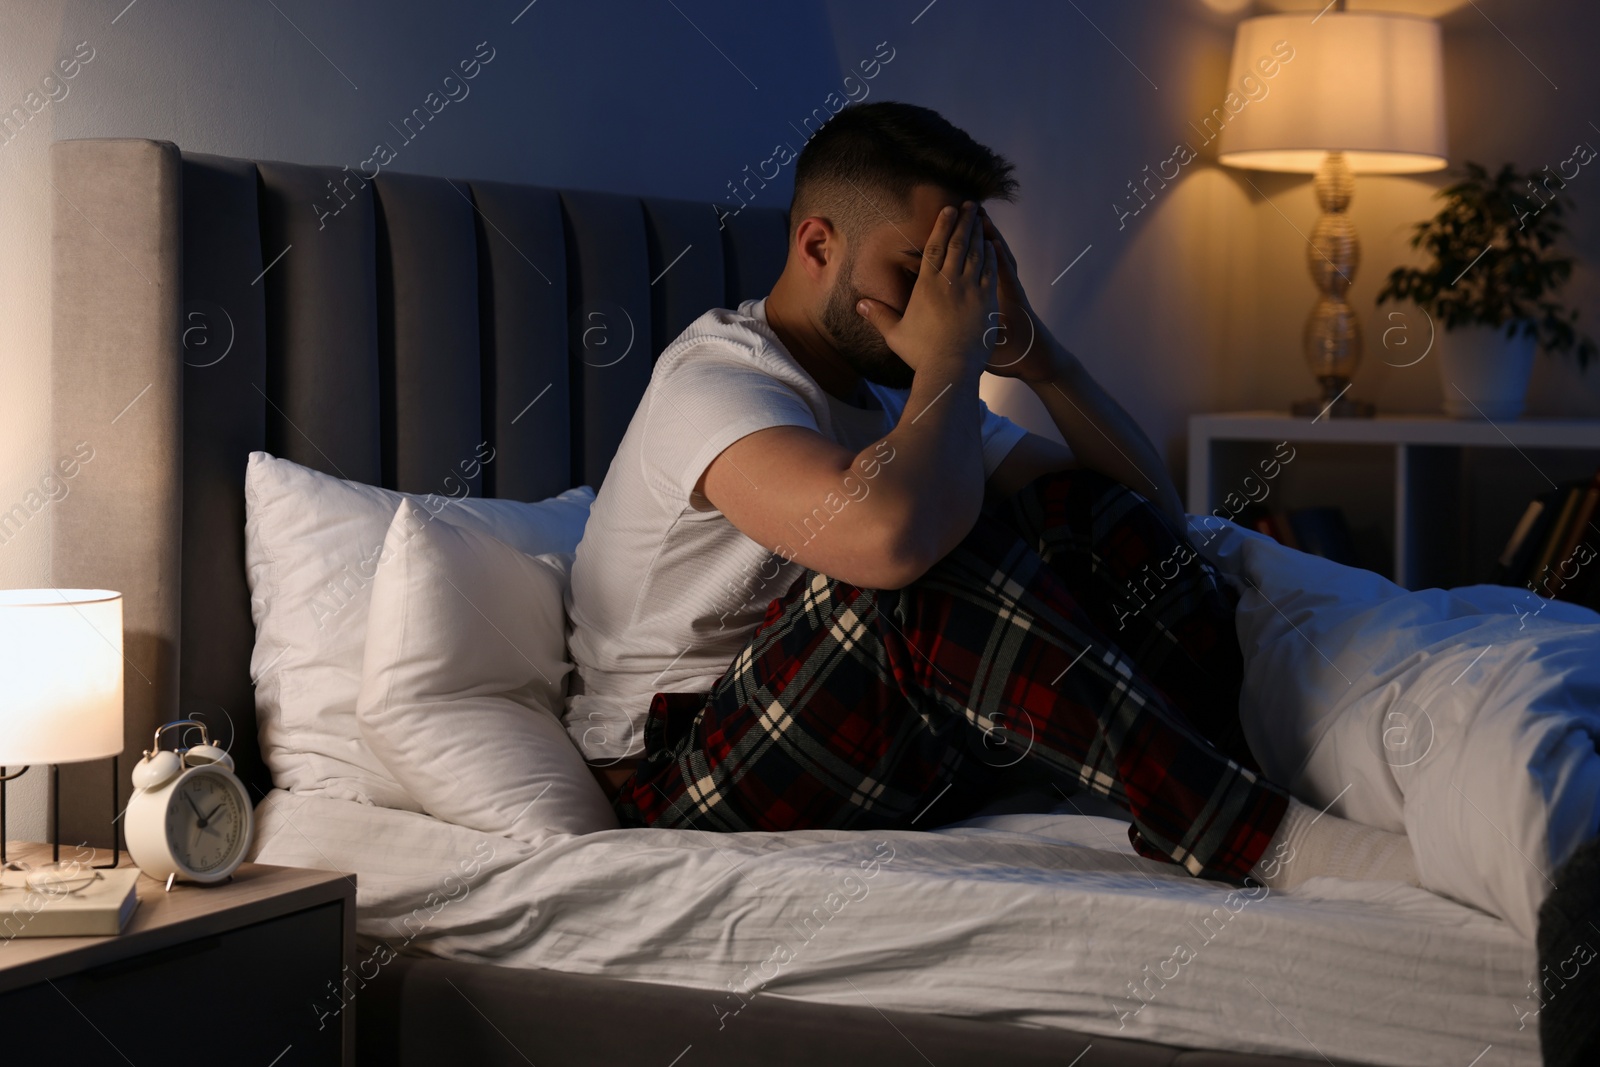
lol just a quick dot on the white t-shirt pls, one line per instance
(664, 595)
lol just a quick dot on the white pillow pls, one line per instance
(313, 545)
(463, 681)
(1467, 718)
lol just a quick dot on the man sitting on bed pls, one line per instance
(824, 586)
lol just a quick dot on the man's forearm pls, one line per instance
(932, 491)
(1102, 435)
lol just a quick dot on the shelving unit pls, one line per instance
(1433, 496)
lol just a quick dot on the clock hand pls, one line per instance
(196, 810)
(207, 816)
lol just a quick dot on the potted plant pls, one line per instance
(1491, 285)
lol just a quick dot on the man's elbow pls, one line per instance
(901, 560)
(904, 538)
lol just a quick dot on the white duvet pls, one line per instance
(1467, 718)
(1051, 919)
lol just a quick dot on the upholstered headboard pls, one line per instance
(376, 330)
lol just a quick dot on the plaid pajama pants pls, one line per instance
(1074, 637)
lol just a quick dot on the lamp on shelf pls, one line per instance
(1363, 94)
(60, 687)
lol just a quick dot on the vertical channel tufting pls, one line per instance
(608, 301)
(427, 265)
(755, 243)
(223, 344)
(522, 305)
(530, 322)
(317, 241)
(687, 278)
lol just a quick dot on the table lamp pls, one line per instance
(1363, 93)
(60, 687)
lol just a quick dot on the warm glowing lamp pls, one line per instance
(1364, 93)
(60, 682)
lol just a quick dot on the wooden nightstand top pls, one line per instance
(255, 893)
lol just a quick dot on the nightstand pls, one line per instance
(243, 972)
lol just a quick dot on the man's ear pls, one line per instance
(818, 246)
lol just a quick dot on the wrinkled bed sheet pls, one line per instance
(1465, 718)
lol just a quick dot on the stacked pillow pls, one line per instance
(446, 574)
(463, 681)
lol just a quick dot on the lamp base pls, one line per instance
(55, 818)
(4, 778)
(1342, 408)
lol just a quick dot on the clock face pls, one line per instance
(205, 822)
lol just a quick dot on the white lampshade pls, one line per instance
(1368, 85)
(60, 675)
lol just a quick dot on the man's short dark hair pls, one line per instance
(861, 166)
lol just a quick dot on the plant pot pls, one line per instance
(1485, 373)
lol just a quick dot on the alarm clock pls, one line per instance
(189, 817)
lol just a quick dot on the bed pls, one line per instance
(206, 308)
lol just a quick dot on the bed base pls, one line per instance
(423, 1012)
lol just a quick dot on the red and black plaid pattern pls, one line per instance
(1074, 635)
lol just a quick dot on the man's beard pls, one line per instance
(857, 341)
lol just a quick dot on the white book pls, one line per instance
(103, 905)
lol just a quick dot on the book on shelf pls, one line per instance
(1578, 533)
(1544, 568)
(1554, 549)
(1527, 542)
(1520, 545)
(102, 905)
